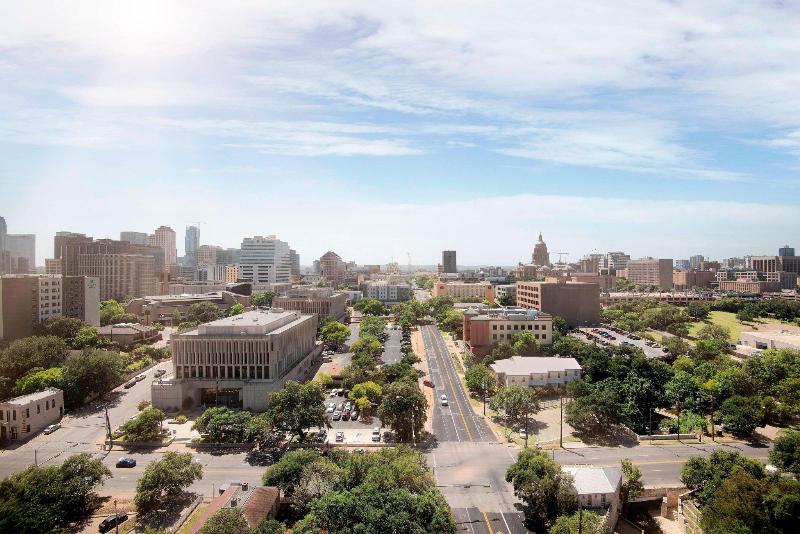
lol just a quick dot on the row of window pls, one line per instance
(511, 336)
(11, 415)
(223, 372)
(520, 327)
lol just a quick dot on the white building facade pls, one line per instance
(265, 259)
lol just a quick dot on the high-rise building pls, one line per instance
(191, 240)
(449, 264)
(21, 249)
(695, 261)
(540, 255)
(576, 302)
(295, 260)
(164, 238)
(786, 250)
(134, 238)
(590, 263)
(207, 254)
(5, 257)
(29, 300)
(651, 272)
(228, 256)
(615, 260)
(123, 269)
(332, 267)
(265, 259)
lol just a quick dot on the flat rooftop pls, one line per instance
(525, 365)
(31, 397)
(254, 323)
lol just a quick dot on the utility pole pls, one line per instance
(526, 430)
(580, 519)
(713, 433)
(485, 391)
(650, 426)
(561, 425)
(108, 431)
(36, 457)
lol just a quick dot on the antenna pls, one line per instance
(561, 256)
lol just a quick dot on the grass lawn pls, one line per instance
(729, 321)
(187, 525)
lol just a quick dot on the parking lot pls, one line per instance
(607, 335)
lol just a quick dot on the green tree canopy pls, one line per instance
(698, 310)
(632, 485)
(525, 344)
(297, 407)
(236, 309)
(741, 415)
(226, 521)
(63, 327)
(335, 333)
(370, 307)
(220, 424)
(38, 379)
(34, 351)
(48, 499)
(166, 478)
(203, 312)
(581, 522)
(145, 426)
(785, 452)
(516, 403)
(480, 380)
(371, 390)
(705, 475)
(263, 299)
(403, 409)
(90, 373)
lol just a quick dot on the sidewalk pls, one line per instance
(418, 346)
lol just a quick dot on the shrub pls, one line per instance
(181, 419)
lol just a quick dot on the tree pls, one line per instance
(317, 479)
(544, 489)
(89, 337)
(741, 415)
(676, 346)
(500, 351)
(110, 310)
(746, 314)
(451, 320)
(236, 309)
(480, 380)
(90, 373)
(371, 390)
(682, 387)
(35, 351)
(516, 402)
(260, 430)
(698, 310)
(263, 299)
(785, 453)
(583, 521)
(38, 379)
(525, 344)
(370, 307)
(203, 312)
(737, 506)
(297, 407)
(287, 472)
(368, 346)
(268, 526)
(226, 521)
(166, 479)
(335, 333)
(704, 476)
(371, 327)
(679, 329)
(63, 327)
(560, 325)
(714, 332)
(223, 425)
(367, 509)
(632, 485)
(146, 426)
(403, 410)
(48, 499)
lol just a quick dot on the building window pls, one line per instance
(38, 408)
(27, 412)
(494, 327)
(494, 336)
(14, 414)
(544, 336)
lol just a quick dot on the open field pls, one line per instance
(729, 321)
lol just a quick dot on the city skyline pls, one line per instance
(683, 125)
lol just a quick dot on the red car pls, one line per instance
(428, 383)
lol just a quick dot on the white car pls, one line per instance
(52, 428)
(444, 400)
(340, 436)
(376, 434)
(523, 434)
(331, 407)
(140, 378)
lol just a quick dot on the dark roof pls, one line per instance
(262, 501)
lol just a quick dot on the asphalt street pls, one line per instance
(456, 421)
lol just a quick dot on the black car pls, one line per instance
(126, 462)
(112, 521)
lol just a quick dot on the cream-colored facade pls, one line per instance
(650, 272)
(164, 238)
(320, 301)
(22, 417)
(232, 273)
(243, 358)
(120, 275)
(482, 290)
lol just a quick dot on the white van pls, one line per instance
(376, 434)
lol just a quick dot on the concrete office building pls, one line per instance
(212, 272)
(773, 264)
(294, 259)
(29, 300)
(265, 259)
(503, 291)
(239, 360)
(786, 250)
(164, 238)
(590, 263)
(695, 261)
(692, 278)
(162, 308)
(650, 272)
(322, 301)
(52, 266)
(749, 286)
(23, 417)
(129, 335)
(134, 238)
(229, 256)
(575, 302)
(614, 260)
(483, 327)
(480, 290)
(232, 273)
(387, 292)
(207, 254)
(530, 371)
(4, 256)
(332, 268)
(605, 281)
(449, 261)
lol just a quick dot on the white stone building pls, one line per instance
(535, 371)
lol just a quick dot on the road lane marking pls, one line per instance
(506, 522)
(486, 518)
(452, 388)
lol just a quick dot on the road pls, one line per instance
(457, 421)
(391, 348)
(467, 461)
(422, 294)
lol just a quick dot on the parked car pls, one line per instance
(337, 415)
(331, 408)
(51, 428)
(161, 372)
(140, 377)
(444, 400)
(523, 434)
(354, 415)
(321, 436)
(376, 434)
(340, 436)
(126, 461)
(112, 521)
(339, 392)
(346, 415)
(428, 383)
(333, 392)
(130, 384)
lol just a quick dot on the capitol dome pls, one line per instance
(540, 254)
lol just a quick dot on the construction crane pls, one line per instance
(561, 257)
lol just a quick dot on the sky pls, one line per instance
(383, 129)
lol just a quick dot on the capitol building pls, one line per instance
(541, 257)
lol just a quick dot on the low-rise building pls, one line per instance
(323, 301)
(256, 503)
(387, 292)
(680, 298)
(686, 279)
(534, 371)
(129, 334)
(162, 308)
(750, 286)
(598, 488)
(22, 417)
(576, 302)
(483, 327)
(770, 340)
(503, 291)
(239, 360)
(481, 290)
(604, 280)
